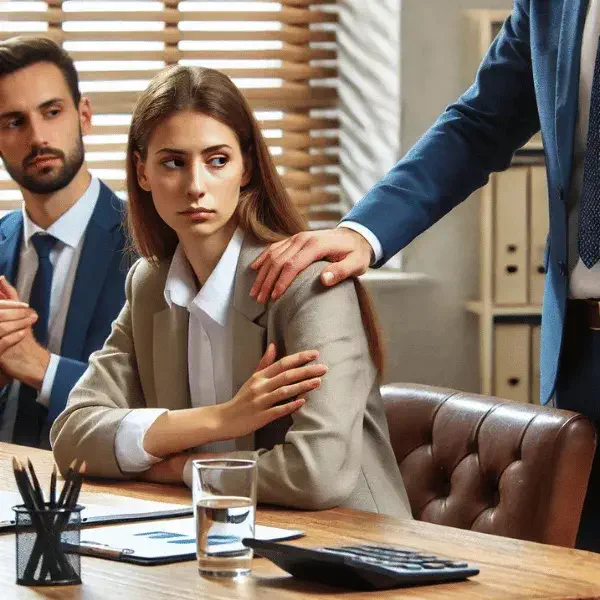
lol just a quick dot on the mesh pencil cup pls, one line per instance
(40, 535)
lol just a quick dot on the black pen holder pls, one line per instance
(40, 538)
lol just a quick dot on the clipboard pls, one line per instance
(160, 542)
(102, 509)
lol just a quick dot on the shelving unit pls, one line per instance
(514, 225)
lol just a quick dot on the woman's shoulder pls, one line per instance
(308, 286)
(147, 278)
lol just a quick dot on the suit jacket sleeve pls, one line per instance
(108, 390)
(318, 464)
(67, 374)
(474, 137)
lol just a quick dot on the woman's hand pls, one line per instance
(168, 470)
(252, 407)
(171, 469)
(257, 402)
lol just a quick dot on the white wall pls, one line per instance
(431, 338)
(369, 88)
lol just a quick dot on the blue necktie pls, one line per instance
(30, 414)
(39, 299)
(589, 210)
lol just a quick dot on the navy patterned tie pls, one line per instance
(31, 414)
(589, 210)
(39, 298)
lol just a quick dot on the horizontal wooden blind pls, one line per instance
(282, 55)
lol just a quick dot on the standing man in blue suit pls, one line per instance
(542, 71)
(61, 257)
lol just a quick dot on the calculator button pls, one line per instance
(341, 551)
(432, 565)
(456, 564)
(370, 559)
(409, 566)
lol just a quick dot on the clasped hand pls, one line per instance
(21, 357)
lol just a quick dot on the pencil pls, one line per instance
(68, 500)
(53, 488)
(41, 526)
(47, 545)
(67, 484)
(71, 501)
(36, 485)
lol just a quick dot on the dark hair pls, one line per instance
(19, 52)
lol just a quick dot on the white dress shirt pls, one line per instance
(69, 230)
(210, 358)
(369, 236)
(583, 282)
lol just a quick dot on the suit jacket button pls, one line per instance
(562, 267)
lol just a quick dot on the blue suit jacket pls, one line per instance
(98, 292)
(529, 79)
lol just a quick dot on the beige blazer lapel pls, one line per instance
(249, 338)
(170, 350)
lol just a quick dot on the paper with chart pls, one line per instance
(161, 539)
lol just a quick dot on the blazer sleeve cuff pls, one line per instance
(129, 441)
(68, 373)
(46, 391)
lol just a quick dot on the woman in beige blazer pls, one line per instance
(178, 376)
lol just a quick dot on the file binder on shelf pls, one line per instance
(538, 232)
(510, 237)
(512, 354)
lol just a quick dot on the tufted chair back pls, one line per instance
(491, 465)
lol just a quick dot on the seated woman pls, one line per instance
(204, 201)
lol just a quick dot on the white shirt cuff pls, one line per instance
(369, 236)
(129, 441)
(46, 391)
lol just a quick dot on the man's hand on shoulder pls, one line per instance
(281, 262)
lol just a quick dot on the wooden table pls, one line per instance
(509, 568)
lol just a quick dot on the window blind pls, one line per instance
(283, 55)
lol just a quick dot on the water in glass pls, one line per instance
(222, 522)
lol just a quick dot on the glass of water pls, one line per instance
(224, 496)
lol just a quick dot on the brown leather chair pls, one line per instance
(491, 465)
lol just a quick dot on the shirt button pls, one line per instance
(562, 267)
(560, 193)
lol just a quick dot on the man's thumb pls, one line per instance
(336, 272)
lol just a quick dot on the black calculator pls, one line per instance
(363, 566)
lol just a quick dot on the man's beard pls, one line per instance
(42, 182)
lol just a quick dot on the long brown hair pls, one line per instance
(264, 209)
